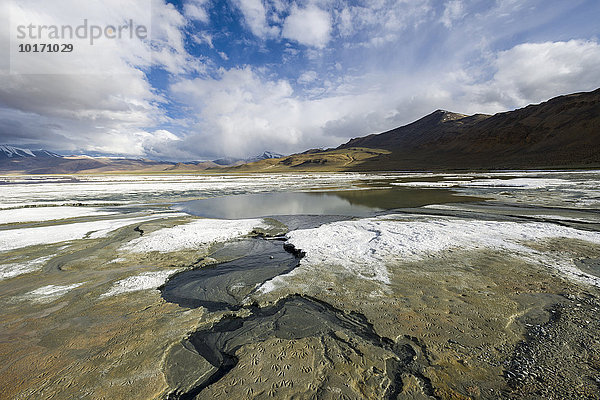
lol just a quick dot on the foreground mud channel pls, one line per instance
(470, 286)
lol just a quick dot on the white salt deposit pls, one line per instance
(591, 218)
(34, 214)
(145, 281)
(11, 239)
(440, 184)
(11, 270)
(192, 235)
(48, 293)
(519, 183)
(125, 188)
(457, 207)
(514, 183)
(452, 207)
(364, 247)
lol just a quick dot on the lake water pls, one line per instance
(355, 203)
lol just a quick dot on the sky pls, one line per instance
(239, 77)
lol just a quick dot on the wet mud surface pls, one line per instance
(224, 286)
(297, 317)
(218, 288)
(590, 266)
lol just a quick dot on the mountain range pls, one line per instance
(563, 132)
(11, 152)
(25, 161)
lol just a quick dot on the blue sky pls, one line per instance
(237, 77)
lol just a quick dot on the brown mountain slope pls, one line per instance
(419, 132)
(562, 132)
(313, 161)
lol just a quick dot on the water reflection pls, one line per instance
(263, 204)
(356, 203)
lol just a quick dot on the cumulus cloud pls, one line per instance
(310, 26)
(168, 40)
(534, 72)
(255, 18)
(243, 112)
(113, 108)
(525, 74)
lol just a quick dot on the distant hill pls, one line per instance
(562, 132)
(25, 161)
(229, 161)
(77, 164)
(10, 152)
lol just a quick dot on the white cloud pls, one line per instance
(345, 22)
(534, 72)
(154, 143)
(381, 22)
(195, 10)
(255, 17)
(168, 49)
(310, 26)
(307, 77)
(71, 112)
(204, 37)
(453, 11)
(111, 112)
(91, 57)
(242, 113)
(162, 43)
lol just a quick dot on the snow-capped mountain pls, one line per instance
(236, 161)
(264, 156)
(16, 152)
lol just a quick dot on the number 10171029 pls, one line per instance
(45, 48)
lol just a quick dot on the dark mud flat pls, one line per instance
(590, 266)
(296, 317)
(223, 286)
